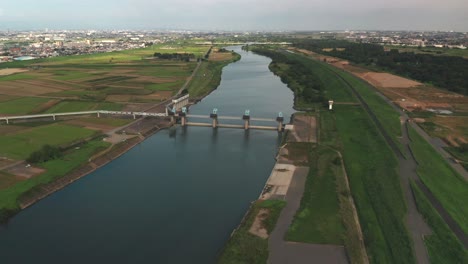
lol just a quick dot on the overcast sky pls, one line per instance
(236, 14)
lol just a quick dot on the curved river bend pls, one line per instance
(175, 198)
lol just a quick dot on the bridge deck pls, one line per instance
(230, 126)
(234, 118)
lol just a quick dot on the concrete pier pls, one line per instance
(280, 120)
(246, 118)
(214, 116)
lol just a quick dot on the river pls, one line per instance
(175, 198)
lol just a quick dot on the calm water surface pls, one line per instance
(175, 198)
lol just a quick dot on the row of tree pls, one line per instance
(448, 72)
(47, 152)
(300, 78)
(175, 56)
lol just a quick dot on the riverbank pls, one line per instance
(143, 132)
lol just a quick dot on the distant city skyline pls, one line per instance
(267, 15)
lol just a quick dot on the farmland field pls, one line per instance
(75, 106)
(21, 105)
(95, 79)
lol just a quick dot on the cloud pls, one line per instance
(1, 12)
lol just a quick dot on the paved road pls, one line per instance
(283, 252)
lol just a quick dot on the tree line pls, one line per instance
(447, 72)
(175, 56)
(305, 84)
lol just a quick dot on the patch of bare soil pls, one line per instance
(457, 126)
(387, 80)
(25, 170)
(4, 162)
(45, 106)
(305, 129)
(220, 56)
(136, 107)
(117, 138)
(257, 227)
(10, 129)
(15, 88)
(119, 98)
(5, 72)
(90, 125)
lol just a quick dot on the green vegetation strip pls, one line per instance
(21, 106)
(244, 247)
(208, 77)
(318, 220)
(54, 169)
(446, 184)
(22, 144)
(375, 185)
(442, 245)
(371, 166)
(352, 235)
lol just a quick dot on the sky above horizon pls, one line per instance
(236, 15)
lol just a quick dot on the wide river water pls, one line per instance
(175, 198)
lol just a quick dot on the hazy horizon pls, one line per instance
(242, 15)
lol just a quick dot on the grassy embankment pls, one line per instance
(244, 247)
(446, 184)
(442, 245)
(20, 145)
(208, 76)
(371, 167)
(54, 169)
(450, 190)
(318, 220)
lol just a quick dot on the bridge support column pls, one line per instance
(246, 122)
(53, 117)
(280, 120)
(214, 116)
(183, 116)
(134, 116)
(98, 114)
(7, 121)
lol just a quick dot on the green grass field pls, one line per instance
(371, 166)
(442, 245)
(21, 106)
(318, 219)
(244, 247)
(76, 106)
(329, 138)
(55, 168)
(447, 185)
(375, 186)
(388, 117)
(22, 144)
